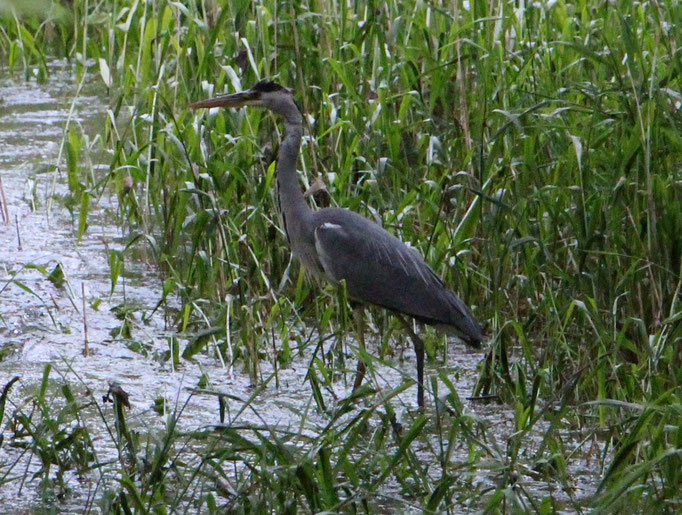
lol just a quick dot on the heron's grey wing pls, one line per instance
(380, 269)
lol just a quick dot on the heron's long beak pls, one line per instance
(235, 100)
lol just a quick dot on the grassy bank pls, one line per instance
(532, 154)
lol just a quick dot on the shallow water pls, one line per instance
(47, 325)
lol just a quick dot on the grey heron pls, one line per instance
(341, 245)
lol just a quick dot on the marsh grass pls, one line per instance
(531, 153)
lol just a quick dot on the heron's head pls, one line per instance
(264, 94)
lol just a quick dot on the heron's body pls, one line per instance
(380, 269)
(341, 245)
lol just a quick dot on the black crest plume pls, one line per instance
(266, 86)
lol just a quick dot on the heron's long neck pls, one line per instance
(295, 210)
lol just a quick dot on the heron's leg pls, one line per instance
(419, 352)
(360, 328)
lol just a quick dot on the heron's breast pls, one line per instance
(303, 248)
(310, 261)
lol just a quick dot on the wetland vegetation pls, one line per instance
(532, 151)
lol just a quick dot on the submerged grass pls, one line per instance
(531, 151)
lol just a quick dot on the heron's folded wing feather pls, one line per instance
(380, 269)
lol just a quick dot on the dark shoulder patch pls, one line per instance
(265, 86)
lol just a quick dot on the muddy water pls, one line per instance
(41, 323)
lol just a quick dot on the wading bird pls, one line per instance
(341, 245)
